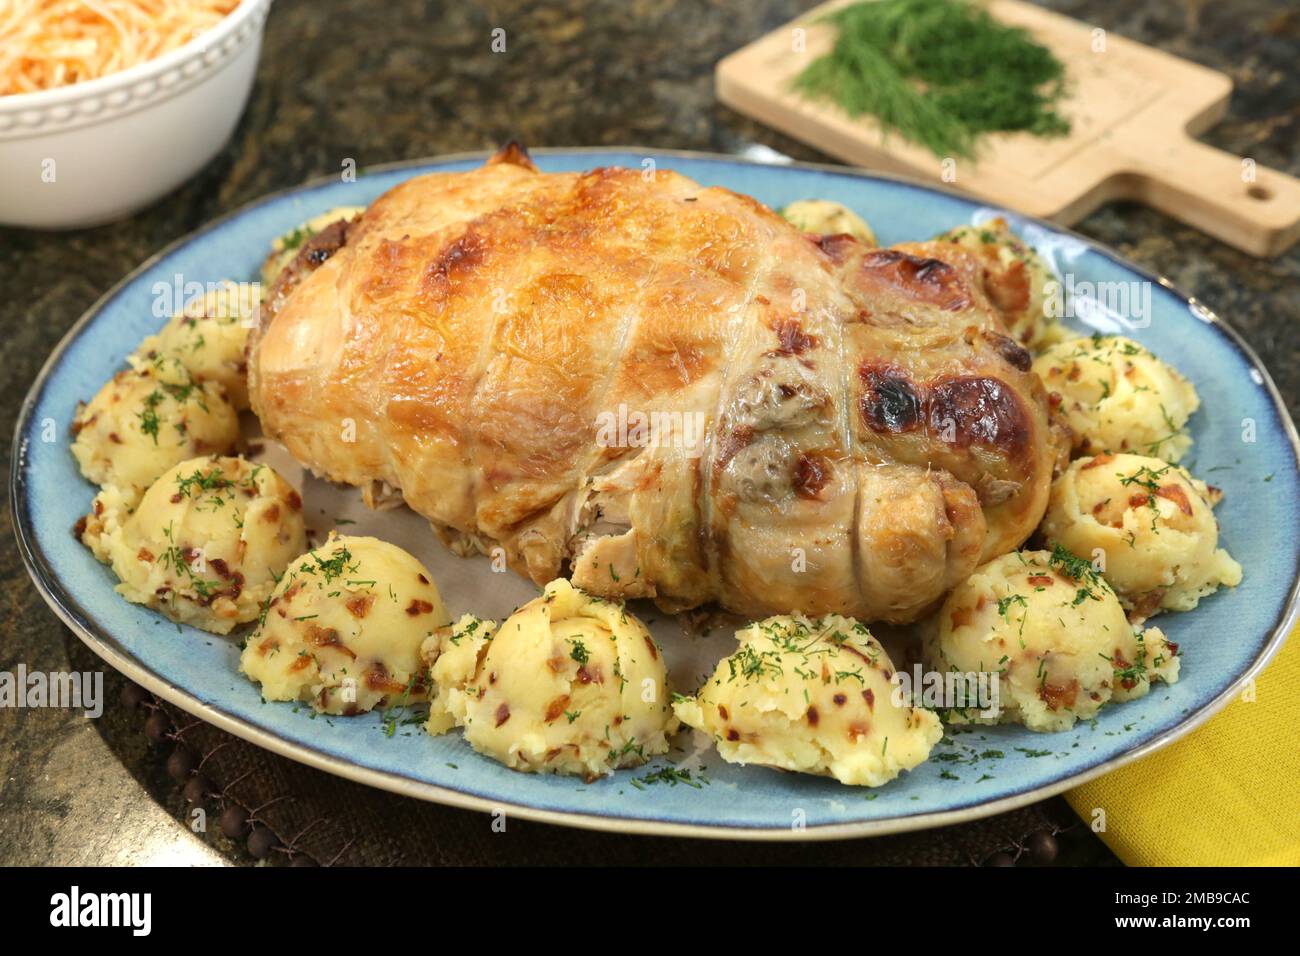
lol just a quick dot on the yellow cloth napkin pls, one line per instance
(1228, 794)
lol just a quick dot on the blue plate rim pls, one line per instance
(104, 645)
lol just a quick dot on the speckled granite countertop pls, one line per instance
(380, 81)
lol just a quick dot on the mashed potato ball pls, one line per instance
(1016, 279)
(343, 629)
(207, 340)
(205, 543)
(826, 218)
(142, 424)
(568, 684)
(812, 695)
(1154, 523)
(1118, 397)
(1055, 634)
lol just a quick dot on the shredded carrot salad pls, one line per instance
(51, 43)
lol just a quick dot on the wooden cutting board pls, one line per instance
(1134, 111)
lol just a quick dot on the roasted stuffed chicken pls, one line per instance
(666, 390)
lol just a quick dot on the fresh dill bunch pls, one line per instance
(863, 79)
(938, 72)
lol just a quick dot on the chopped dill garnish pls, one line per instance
(335, 566)
(579, 652)
(671, 776)
(149, 420)
(1004, 609)
(1077, 569)
(938, 72)
(292, 240)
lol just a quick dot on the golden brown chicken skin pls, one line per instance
(827, 426)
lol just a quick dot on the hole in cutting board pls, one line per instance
(1259, 192)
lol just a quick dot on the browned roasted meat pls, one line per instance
(828, 427)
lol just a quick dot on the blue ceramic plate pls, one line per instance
(1245, 443)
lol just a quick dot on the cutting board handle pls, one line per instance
(1248, 206)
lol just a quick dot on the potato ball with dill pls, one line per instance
(1153, 522)
(206, 339)
(568, 684)
(144, 422)
(1118, 397)
(205, 543)
(812, 695)
(343, 628)
(1051, 629)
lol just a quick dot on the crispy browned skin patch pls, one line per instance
(927, 280)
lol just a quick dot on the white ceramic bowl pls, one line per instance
(96, 151)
